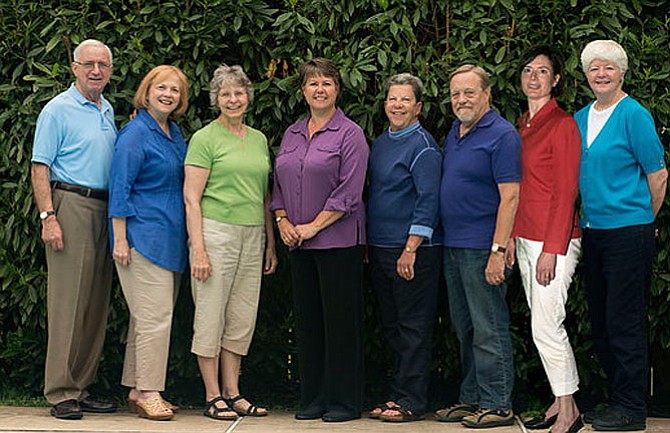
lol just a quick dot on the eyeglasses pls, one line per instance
(91, 65)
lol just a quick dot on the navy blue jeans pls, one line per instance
(480, 317)
(617, 274)
(407, 310)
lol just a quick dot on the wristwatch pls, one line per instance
(279, 218)
(497, 248)
(46, 214)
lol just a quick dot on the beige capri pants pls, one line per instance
(226, 304)
(150, 292)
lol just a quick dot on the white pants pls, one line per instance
(547, 313)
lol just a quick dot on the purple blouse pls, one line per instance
(326, 173)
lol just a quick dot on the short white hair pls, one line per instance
(607, 50)
(91, 43)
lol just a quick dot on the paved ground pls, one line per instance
(31, 419)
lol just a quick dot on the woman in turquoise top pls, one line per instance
(146, 208)
(231, 240)
(622, 184)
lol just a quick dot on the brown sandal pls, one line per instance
(154, 409)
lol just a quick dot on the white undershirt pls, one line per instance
(597, 120)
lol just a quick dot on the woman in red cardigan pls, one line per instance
(546, 235)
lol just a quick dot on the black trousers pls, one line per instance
(407, 311)
(617, 272)
(328, 307)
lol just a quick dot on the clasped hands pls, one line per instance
(295, 235)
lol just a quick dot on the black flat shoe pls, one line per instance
(339, 416)
(309, 413)
(540, 423)
(577, 425)
(618, 421)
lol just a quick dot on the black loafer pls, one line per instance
(92, 404)
(68, 409)
(309, 413)
(540, 423)
(618, 421)
(335, 416)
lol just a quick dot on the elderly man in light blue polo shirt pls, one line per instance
(72, 156)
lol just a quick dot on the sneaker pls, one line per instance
(487, 418)
(614, 420)
(456, 412)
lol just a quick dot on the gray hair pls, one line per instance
(407, 79)
(479, 71)
(91, 43)
(607, 50)
(234, 75)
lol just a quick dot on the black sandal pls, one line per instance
(252, 410)
(215, 412)
(382, 407)
(404, 415)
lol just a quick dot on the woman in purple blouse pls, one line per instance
(317, 203)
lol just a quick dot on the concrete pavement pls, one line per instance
(32, 419)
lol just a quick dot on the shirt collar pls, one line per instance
(544, 112)
(487, 120)
(395, 135)
(334, 124)
(76, 94)
(151, 123)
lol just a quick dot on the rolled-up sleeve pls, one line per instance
(347, 196)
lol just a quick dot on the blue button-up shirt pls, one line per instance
(146, 187)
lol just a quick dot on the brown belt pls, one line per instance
(99, 194)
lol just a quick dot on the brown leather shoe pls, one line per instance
(68, 409)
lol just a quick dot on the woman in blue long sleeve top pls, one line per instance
(146, 208)
(404, 175)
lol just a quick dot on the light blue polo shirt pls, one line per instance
(612, 179)
(76, 139)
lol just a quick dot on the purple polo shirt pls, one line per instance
(326, 173)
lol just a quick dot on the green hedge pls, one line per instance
(369, 40)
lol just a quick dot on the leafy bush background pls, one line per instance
(369, 40)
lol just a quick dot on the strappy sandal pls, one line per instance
(252, 410)
(378, 409)
(219, 413)
(403, 415)
(154, 409)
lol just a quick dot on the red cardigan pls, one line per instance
(550, 154)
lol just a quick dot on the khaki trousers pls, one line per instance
(78, 288)
(226, 304)
(150, 293)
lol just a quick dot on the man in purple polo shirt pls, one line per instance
(481, 170)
